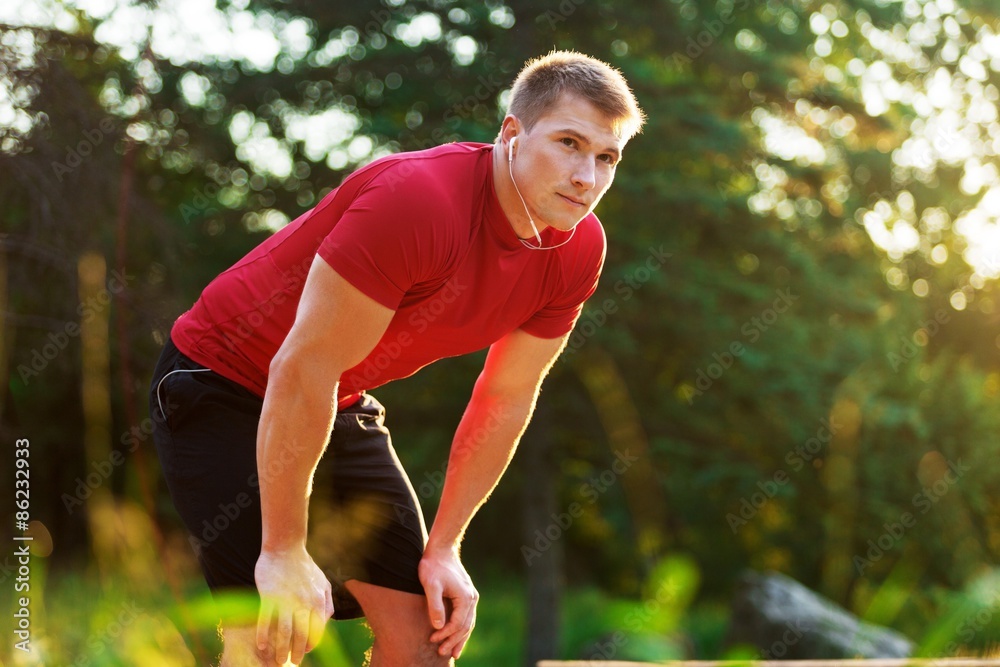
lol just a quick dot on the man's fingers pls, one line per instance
(459, 627)
(317, 625)
(457, 651)
(300, 634)
(454, 644)
(264, 623)
(283, 636)
(435, 605)
(459, 616)
(460, 646)
(470, 624)
(453, 647)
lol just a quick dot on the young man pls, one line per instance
(415, 257)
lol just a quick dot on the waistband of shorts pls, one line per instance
(355, 400)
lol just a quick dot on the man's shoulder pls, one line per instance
(592, 229)
(591, 241)
(444, 166)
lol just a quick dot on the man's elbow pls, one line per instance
(294, 372)
(489, 389)
(283, 365)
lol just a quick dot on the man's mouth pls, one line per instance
(572, 200)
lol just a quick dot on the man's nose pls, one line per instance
(585, 174)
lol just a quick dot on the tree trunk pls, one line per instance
(545, 567)
(622, 423)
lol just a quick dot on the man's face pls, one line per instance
(566, 162)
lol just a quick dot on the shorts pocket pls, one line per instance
(172, 397)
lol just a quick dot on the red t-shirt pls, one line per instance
(422, 233)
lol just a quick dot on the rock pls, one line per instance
(786, 620)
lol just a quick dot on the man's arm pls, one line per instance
(498, 412)
(336, 326)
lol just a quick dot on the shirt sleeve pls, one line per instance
(390, 237)
(584, 267)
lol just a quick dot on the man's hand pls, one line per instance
(484, 443)
(294, 592)
(444, 579)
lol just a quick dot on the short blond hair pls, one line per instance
(543, 80)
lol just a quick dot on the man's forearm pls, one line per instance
(294, 430)
(483, 447)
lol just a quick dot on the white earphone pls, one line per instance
(534, 228)
(510, 166)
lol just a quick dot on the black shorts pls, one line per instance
(365, 520)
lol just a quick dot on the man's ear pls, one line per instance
(511, 127)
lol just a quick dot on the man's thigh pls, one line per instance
(205, 431)
(365, 520)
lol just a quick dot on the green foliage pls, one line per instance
(773, 307)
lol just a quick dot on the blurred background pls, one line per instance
(792, 363)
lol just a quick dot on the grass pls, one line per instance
(78, 621)
(118, 611)
(82, 618)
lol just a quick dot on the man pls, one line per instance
(415, 257)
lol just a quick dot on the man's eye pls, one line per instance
(567, 141)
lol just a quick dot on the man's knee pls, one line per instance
(400, 627)
(408, 646)
(407, 654)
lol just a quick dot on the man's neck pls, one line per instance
(508, 196)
